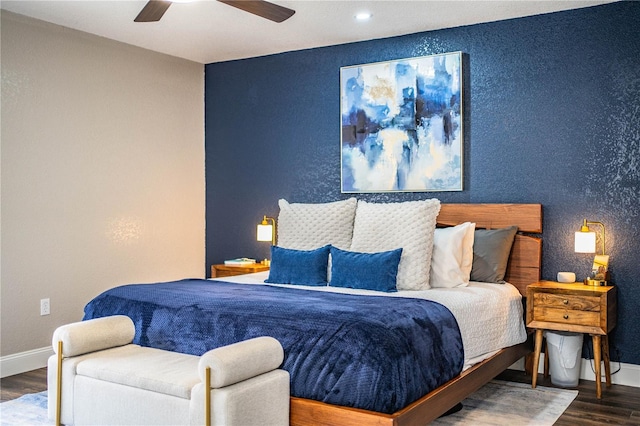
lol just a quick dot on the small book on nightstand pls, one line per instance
(243, 261)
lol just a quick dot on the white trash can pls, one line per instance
(565, 357)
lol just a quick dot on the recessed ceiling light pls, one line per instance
(363, 16)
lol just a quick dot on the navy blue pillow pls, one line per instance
(303, 267)
(369, 271)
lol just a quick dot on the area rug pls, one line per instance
(30, 409)
(509, 403)
(496, 403)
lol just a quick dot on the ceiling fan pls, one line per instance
(154, 9)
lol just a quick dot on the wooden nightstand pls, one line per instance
(222, 270)
(577, 308)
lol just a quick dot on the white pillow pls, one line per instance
(452, 256)
(309, 226)
(409, 226)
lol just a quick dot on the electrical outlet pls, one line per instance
(45, 307)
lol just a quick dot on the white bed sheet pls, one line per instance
(490, 316)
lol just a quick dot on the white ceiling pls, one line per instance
(207, 31)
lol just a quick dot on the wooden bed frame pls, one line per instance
(524, 268)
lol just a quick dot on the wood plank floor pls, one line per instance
(13, 387)
(620, 405)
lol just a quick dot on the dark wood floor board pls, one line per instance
(581, 413)
(13, 387)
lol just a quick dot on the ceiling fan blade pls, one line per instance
(262, 8)
(153, 11)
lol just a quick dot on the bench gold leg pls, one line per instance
(207, 396)
(59, 385)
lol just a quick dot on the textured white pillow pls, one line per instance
(452, 256)
(309, 226)
(409, 226)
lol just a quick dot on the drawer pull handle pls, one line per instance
(566, 302)
(565, 316)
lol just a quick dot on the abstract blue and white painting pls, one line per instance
(402, 125)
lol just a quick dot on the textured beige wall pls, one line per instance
(102, 173)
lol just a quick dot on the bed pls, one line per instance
(523, 269)
(359, 233)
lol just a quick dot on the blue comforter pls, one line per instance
(370, 352)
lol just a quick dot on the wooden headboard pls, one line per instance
(525, 260)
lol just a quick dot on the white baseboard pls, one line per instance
(628, 375)
(24, 361)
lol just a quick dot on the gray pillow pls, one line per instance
(491, 248)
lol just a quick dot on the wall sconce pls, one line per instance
(267, 232)
(585, 242)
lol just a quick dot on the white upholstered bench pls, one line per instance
(105, 379)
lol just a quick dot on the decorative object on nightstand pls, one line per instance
(566, 277)
(585, 242)
(242, 261)
(267, 232)
(574, 308)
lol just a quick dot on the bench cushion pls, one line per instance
(170, 373)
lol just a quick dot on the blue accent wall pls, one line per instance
(552, 116)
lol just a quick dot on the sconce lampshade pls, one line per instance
(585, 242)
(264, 232)
(267, 231)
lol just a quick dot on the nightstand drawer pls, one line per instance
(222, 273)
(566, 316)
(578, 303)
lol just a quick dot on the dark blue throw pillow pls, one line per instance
(302, 267)
(369, 271)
